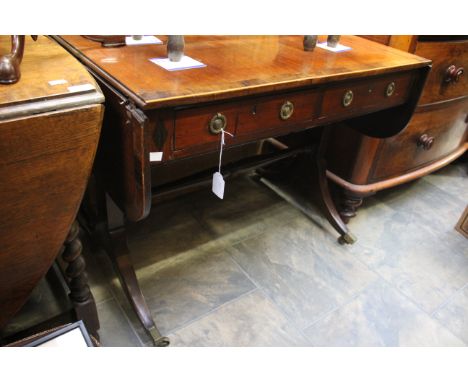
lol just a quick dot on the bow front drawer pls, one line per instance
(380, 93)
(448, 77)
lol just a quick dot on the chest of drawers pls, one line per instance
(436, 135)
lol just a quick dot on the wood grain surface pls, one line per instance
(236, 66)
(45, 162)
(43, 61)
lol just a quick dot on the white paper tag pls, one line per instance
(145, 40)
(156, 156)
(185, 62)
(58, 82)
(218, 185)
(336, 49)
(80, 88)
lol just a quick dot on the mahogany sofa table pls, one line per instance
(256, 87)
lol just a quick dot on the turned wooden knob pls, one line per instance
(453, 74)
(425, 141)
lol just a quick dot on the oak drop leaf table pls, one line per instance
(50, 122)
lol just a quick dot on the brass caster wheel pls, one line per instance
(161, 342)
(158, 340)
(347, 238)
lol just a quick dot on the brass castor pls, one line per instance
(158, 340)
(347, 238)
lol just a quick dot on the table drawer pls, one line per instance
(430, 136)
(278, 112)
(440, 85)
(200, 125)
(192, 126)
(384, 92)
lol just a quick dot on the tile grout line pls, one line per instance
(449, 300)
(430, 315)
(214, 236)
(122, 310)
(395, 286)
(265, 294)
(130, 324)
(352, 298)
(410, 299)
(110, 288)
(222, 247)
(114, 297)
(423, 311)
(104, 301)
(194, 320)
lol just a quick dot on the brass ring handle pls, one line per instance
(425, 141)
(348, 98)
(287, 110)
(390, 89)
(217, 123)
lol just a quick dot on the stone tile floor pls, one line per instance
(252, 270)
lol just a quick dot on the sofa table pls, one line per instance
(254, 87)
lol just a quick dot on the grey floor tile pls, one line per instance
(97, 279)
(302, 269)
(380, 316)
(454, 315)
(426, 202)
(169, 230)
(115, 329)
(424, 258)
(452, 179)
(252, 320)
(246, 210)
(190, 285)
(193, 256)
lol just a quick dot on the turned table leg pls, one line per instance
(80, 293)
(350, 202)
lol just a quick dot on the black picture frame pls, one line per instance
(61, 331)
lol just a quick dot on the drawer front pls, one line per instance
(278, 112)
(198, 126)
(192, 126)
(430, 136)
(448, 77)
(261, 116)
(366, 96)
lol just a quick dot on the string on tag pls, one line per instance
(221, 147)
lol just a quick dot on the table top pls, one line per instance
(44, 61)
(235, 66)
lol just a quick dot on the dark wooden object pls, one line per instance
(10, 63)
(256, 87)
(10, 72)
(108, 41)
(436, 135)
(462, 225)
(48, 140)
(80, 294)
